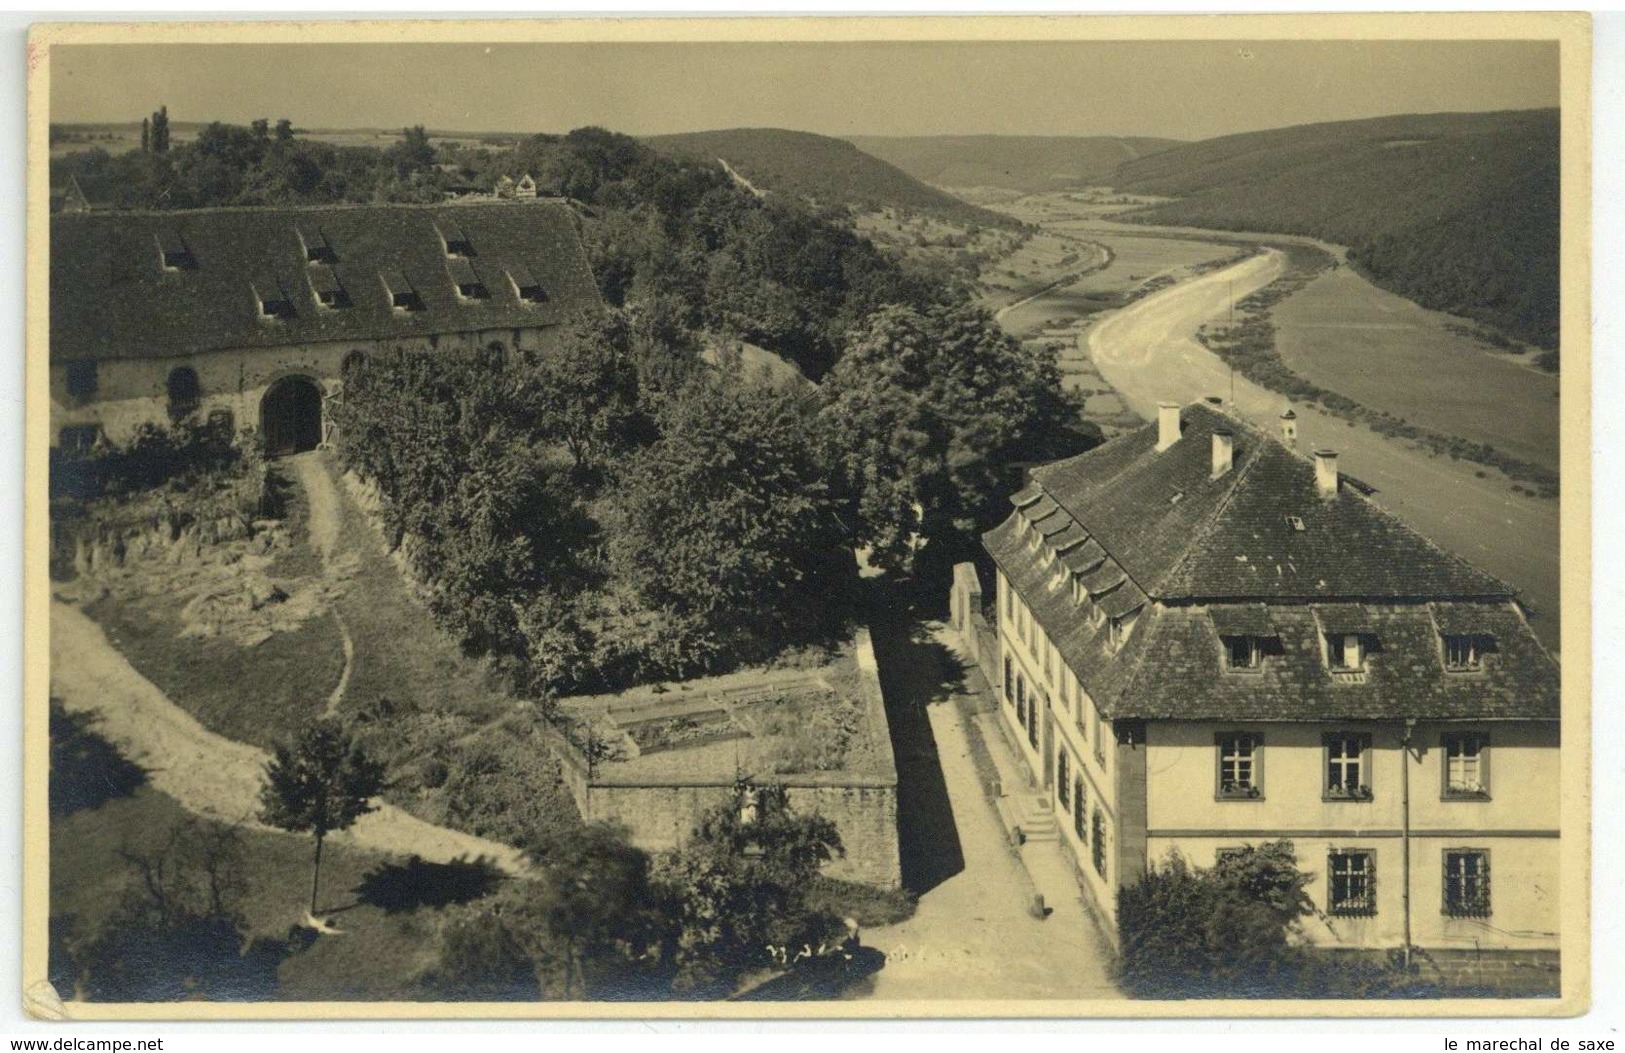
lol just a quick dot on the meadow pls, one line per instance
(1392, 356)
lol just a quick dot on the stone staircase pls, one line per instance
(1034, 818)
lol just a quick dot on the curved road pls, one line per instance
(1149, 352)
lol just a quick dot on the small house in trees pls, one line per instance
(504, 186)
(526, 187)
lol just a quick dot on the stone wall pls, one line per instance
(662, 813)
(969, 621)
(1508, 973)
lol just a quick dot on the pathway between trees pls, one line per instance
(208, 774)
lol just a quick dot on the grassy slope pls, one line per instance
(1027, 163)
(829, 171)
(1458, 212)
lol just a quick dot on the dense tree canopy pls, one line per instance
(927, 418)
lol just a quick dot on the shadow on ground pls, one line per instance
(87, 770)
(917, 672)
(394, 887)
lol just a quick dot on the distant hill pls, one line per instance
(819, 168)
(1028, 163)
(1458, 212)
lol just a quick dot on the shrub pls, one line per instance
(1188, 932)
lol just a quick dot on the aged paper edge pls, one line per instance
(1571, 30)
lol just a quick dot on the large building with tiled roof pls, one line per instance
(1208, 640)
(257, 312)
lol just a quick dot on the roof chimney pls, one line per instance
(1167, 425)
(1289, 428)
(1326, 473)
(1224, 451)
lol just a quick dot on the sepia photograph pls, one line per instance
(782, 517)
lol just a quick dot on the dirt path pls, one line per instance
(322, 501)
(208, 774)
(1149, 353)
(972, 936)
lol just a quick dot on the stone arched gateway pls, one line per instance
(291, 416)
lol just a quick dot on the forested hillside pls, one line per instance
(1028, 163)
(830, 172)
(1458, 212)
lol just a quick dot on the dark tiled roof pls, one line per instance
(1224, 559)
(110, 298)
(1242, 619)
(1183, 535)
(1182, 676)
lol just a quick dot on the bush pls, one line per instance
(1188, 932)
(506, 786)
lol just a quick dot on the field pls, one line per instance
(1390, 355)
(1136, 262)
(122, 138)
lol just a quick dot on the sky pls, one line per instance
(1179, 90)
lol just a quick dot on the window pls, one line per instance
(79, 439)
(81, 378)
(1032, 722)
(1243, 654)
(1345, 653)
(402, 295)
(1466, 765)
(1021, 700)
(325, 284)
(1466, 883)
(1099, 839)
(273, 299)
(1063, 774)
(1122, 627)
(1351, 884)
(457, 244)
(1008, 675)
(317, 248)
(1080, 809)
(1049, 659)
(1348, 766)
(1100, 740)
(1009, 599)
(1240, 765)
(1461, 653)
(470, 286)
(354, 362)
(184, 391)
(173, 252)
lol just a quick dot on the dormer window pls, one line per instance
(1122, 627)
(470, 287)
(324, 285)
(173, 252)
(454, 241)
(527, 288)
(402, 296)
(1464, 653)
(1243, 654)
(1345, 652)
(317, 248)
(273, 300)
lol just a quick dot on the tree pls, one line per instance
(320, 782)
(177, 931)
(284, 130)
(261, 127)
(738, 890)
(1188, 932)
(160, 131)
(586, 388)
(595, 907)
(414, 153)
(925, 421)
(146, 135)
(725, 518)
